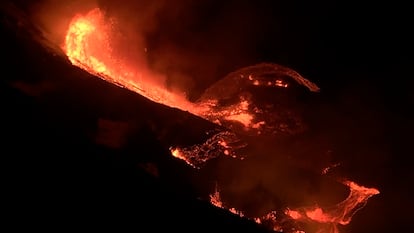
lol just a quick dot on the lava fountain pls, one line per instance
(88, 46)
(229, 103)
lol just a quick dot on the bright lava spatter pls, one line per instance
(88, 46)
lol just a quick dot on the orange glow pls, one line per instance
(88, 46)
(238, 112)
(280, 83)
(293, 214)
(329, 168)
(218, 144)
(243, 118)
(318, 215)
(82, 34)
(216, 201)
(176, 152)
(341, 213)
(330, 217)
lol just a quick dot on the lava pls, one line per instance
(215, 200)
(341, 213)
(88, 45)
(328, 218)
(220, 143)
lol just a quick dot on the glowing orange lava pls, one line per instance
(88, 46)
(176, 152)
(330, 217)
(342, 212)
(216, 201)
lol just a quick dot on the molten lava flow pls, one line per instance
(327, 218)
(257, 100)
(340, 213)
(220, 143)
